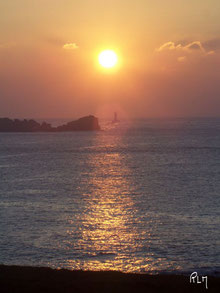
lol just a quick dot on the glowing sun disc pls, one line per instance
(108, 58)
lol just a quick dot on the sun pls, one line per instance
(108, 59)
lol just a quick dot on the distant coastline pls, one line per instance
(87, 123)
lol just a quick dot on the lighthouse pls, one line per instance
(115, 120)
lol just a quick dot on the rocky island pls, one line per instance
(87, 123)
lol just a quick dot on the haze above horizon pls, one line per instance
(168, 52)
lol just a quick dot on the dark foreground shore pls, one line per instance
(15, 279)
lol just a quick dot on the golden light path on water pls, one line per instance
(110, 238)
(111, 200)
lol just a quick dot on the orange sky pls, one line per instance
(169, 53)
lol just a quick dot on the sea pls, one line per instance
(139, 196)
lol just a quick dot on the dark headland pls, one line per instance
(18, 279)
(87, 123)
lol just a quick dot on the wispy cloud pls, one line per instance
(171, 52)
(194, 46)
(70, 46)
(169, 46)
(182, 55)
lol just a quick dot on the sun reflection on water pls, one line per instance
(109, 232)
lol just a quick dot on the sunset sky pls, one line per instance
(168, 51)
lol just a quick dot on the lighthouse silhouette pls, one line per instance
(115, 118)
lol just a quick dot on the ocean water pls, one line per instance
(139, 196)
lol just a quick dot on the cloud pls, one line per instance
(172, 57)
(169, 46)
(171, 54)
(70, 46)
(194, 46)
